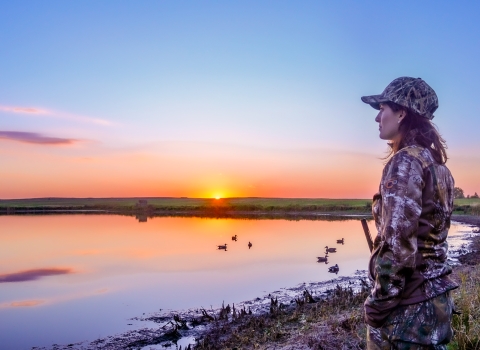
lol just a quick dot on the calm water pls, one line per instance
(71, 278)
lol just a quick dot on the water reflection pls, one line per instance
(26, 303)
(141, 217)
(128, 268)
(31, 275)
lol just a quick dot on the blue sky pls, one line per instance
(261, 92)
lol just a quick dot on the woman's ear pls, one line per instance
(401, 116)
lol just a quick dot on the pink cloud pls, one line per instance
(31, 137)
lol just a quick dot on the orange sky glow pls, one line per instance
(30, 171)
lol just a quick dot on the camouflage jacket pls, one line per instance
(412, 214)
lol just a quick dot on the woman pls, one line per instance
(409, 306)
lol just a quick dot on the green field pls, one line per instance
(168, 203)
(246, 204)
(180, 202)
(470, 206)
(468, 201)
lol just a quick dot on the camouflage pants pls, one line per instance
(422, 326)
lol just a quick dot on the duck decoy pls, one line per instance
(222, 247)
(322, 259)
(330, 250)
(234, 238)
(340, 241)
(250, 245)
(334, 269)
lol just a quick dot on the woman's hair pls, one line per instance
(426, 134)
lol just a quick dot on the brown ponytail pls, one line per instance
(416, 129)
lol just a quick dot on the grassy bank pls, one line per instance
(332, 323)
(159, 205)
(467, 206)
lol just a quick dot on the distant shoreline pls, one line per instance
(144, 208)
(242, 207)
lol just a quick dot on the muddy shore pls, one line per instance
(467, 219)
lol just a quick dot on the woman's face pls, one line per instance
(389, 122)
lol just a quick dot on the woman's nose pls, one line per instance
(377, 118)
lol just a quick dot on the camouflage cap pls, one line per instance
(412, 93)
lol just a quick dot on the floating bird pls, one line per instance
(222, 247)
(250, 245)
(322, 259)
(340, 241)
(334, 269)
(330, 250)
(234, 238)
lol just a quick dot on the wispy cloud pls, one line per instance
(32, 137)
(26, 303)
(57, 299)
(34, 111)
(31, 275)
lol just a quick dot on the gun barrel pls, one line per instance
(367, 234)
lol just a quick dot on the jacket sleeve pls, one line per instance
(393, 257)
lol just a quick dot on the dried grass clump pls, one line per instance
(466, 325)
(335, 322)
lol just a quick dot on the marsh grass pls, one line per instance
(332, 323)
(466, 325)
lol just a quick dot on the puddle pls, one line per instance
(183, 342)
(459, 241)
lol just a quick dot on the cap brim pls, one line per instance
(374, 100)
